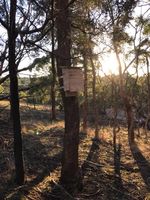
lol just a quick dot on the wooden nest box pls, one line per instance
(73, 81)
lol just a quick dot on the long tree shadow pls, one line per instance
(91, 169)
(117, 166)
(93, 158)
(143, 164)
(99, 180)
(42, 155)
(57, 191)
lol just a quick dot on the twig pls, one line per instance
(95, 193)
(31, 198)
(92, 163)
(125, 194)
(37, 189)
(129, 195)
(90, 195)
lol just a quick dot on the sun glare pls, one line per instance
(109, 65)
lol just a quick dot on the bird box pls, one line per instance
(73, 81)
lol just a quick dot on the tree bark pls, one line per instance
(53, 66)
(70, 170)
(148, 99)
(94, 97)
(126, 100)
(85, 104)
(15, 113)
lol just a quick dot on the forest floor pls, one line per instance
(111, 171)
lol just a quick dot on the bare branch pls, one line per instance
(4, 24)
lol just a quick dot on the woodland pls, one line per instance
(74, 123)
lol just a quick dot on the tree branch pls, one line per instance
(4, 24)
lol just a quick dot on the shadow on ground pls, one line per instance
(42, 155)
(143, 164)
(105, 176)
(98, 184)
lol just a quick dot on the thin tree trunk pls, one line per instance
(85, 104)
(53, 67)
(15, 97)
(125, 99)
(148, 86)
(94, 97)
(70, 178)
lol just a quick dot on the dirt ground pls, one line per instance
(111, 170)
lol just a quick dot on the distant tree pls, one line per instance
(83, 28)
(39, 90)
(118, 14)
(85, 103)
(95, 108)
(142, 29)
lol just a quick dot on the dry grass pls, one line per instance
(4, 103)
(109, 171)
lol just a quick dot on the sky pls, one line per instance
(108, 63)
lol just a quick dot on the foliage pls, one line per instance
(1, 89)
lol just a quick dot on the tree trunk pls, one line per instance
(14, 96)
(126, 100)
(70, 170)
(85, 104)
(94, 97)
(148, 99)
(53, 66)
